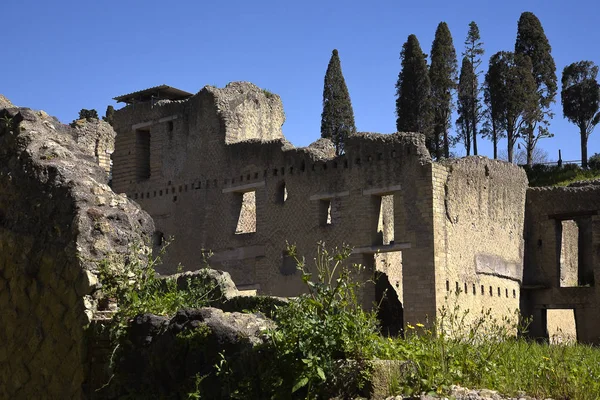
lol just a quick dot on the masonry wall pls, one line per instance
(479, 221)
(562, 223)
(201, 168)
(458, 222)
(56, 219)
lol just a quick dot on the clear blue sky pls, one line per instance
(61, 56)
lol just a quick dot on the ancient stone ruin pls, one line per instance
(57, 218)
(215, 171)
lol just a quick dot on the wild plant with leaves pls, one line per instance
(324, 325)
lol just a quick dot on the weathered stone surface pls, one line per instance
(52, 232)
(248, 112)
(4, 102)
(97, 137)
(165, 356)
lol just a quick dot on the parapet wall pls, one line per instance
(57, 219)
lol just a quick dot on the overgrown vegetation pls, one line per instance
(318, 329)
(485, 353)
(325, 343)
(552, 175)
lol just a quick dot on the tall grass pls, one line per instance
(484, 352)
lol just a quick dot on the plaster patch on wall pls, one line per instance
(489, 264)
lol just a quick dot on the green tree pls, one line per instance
(580, 97)
(337, 119)
(465, 104)
(493, 118)
(110, 114)
(413, 90)
(442, 75)
(473, 52)
(532, 42)
(512, 92)
(88, 114)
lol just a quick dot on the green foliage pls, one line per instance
(442, 75)
(546, 175)
(323, 326)
(110, 115)
(580, 98)
(512, 93)
(88, 114)
(594, 162)
(132, 283)
(473, 52)
(337, 119)
(413, 89)
(466, 103)
(533, 43)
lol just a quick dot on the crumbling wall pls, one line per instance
(56, 219)
(200, 169)
(479, 213)
(563, 248)
(97, 137)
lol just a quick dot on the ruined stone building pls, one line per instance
(215, 171)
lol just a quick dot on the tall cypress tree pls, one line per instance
(465, 103)
(413, 88)
(532, 42)
(442, 75)
(337, 119)
(473, 52)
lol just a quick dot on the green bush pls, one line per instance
(594, 162)
(321, 327)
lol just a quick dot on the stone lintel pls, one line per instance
(153, 122)
(244, 188)
(384, 248)
(382, 191)
(241, 253)
(327, 196)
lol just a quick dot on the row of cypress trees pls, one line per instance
(514, 100)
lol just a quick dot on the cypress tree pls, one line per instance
(532, 42)
(465, 103)
(473, 52)
(580, 98)
(413, 89)
(442, 75)
(337, 119)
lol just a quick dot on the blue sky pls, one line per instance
(62, 56)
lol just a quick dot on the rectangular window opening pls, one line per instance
(325, 212)
(142, 154)
(385, 222)
(576, 255)
(247, 217)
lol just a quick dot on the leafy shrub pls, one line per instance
(321, 327)
(594, 162)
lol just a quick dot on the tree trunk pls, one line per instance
(584, 157)
(495, 141)
(446, 144)
(511, 144)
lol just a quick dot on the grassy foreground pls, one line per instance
(316, 332)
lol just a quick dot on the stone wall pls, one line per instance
(479, 220)
(56, 218)
(207, 153)
(562, 258)
(97, 137)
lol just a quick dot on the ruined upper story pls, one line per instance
(224, 137)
